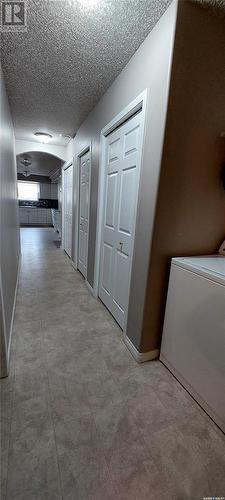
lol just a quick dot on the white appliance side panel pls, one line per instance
(193, 339)
(211, 267)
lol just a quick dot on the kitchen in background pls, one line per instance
(39, 190)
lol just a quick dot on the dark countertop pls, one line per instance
(42, 203)
(29, 206)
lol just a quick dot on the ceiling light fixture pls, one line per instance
(25, 162)
(65, 136)
(44, 137)
(26, 173)
(90, 4)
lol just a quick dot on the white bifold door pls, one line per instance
(68, 209)
(121, 180)
(84, 179)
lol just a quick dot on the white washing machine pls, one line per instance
(193, 342)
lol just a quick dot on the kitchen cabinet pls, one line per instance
(35, 216)
(23, 213)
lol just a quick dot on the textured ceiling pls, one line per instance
(41, 163)
(57, 71)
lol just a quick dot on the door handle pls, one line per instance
(121, 246)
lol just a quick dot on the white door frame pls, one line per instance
(137, 104)
(84, 150)
(69, 163)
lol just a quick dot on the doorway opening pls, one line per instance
(39, 190)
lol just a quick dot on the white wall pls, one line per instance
(25, 146)
(45, 190)
(54, 191)
(49, 191)
(9, 224)
(148, 68)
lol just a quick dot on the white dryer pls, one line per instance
(193, 342)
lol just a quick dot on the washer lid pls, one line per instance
(208, 265)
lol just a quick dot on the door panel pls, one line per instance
(84, 179)
(121, 181)
(131, 139)
(114, 150)
(111, 186)
(107, 267)
(127, 196)
(120, 281)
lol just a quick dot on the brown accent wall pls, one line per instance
(190, 214)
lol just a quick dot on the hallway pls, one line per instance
(81, 420)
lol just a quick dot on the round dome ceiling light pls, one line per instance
(25, 162)
(26, 173)
(87, 4)
(65, 136)
(43, 136)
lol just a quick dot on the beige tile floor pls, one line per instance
(80, 419)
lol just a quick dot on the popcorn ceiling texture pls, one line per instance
(58, 70)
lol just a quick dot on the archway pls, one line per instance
(39, 189)
(38, 163)
(59, 152)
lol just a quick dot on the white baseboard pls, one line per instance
(86, 282)
(140, 357)
(91, 290)
(13, 311)
(73, 265)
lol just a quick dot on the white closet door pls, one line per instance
(84, 179)
(68, 207)
(122, 171)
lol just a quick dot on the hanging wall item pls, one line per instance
(222, 248)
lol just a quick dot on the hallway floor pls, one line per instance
(81, 420)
